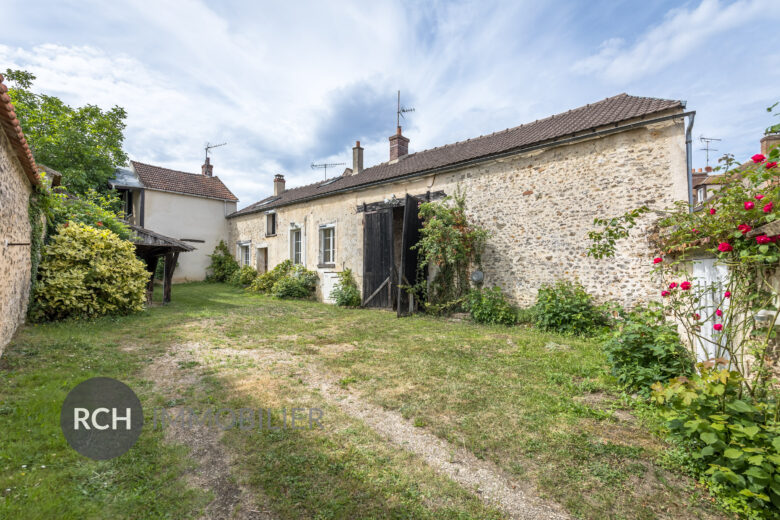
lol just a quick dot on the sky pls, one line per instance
(286, 84)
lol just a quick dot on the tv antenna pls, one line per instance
(325, 166)
(209, 146)
(400, 111)
(707, 149)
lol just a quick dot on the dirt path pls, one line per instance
(484, 478)
(212, 471)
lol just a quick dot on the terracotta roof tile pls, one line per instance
(13, 130)
(617, 109)
(157, 178)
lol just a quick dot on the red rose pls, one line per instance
(99, 223)
(771, 165)
(744, 228)
(763, 239)
(724, 247)
(727, 294)
(696, 316)
(685, 285)
(768, 207)
(719, 313)
(758, 158)
(718, 326)
(712, 211)
(673, 285)
(665, 293)
(749, 204)
(66, 224)
(694, 230)
(658, 260)
(759, 197)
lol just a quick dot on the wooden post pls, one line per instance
(151, 264)
(170, 266)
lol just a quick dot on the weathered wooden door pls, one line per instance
(377, 258)
(407, 272)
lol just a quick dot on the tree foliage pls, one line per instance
(83, 143)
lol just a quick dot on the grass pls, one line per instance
(538, 405)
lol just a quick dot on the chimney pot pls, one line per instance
(357, 159)
(278, 184)
(768, 142)
(708, 169)
(207, 168)
(399, 145)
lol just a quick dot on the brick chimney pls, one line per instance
(768, 142)
(399, 145)
(278, 184)
(207, 168)
(357, 158)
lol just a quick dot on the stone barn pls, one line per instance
(18, 178)
(536, 188)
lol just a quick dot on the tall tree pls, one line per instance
(84, 143)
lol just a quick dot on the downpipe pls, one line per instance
(689, 159)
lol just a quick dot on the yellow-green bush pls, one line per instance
(87, 272)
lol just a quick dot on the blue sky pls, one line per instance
(289, 83)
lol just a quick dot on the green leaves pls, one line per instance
(603, 242)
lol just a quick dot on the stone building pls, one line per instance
(188, 207)
(18, 177)
(536, 188)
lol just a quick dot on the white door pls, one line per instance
(711, 280)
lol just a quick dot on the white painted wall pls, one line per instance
(185, 216)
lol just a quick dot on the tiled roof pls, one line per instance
(157, 178)
(11, 127)
(617, 109)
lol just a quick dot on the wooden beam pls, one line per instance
(378, 289)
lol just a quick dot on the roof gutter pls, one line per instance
(477, 160)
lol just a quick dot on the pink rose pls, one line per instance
(727, 294)
(749, 204)
(694, 230)
(686, 285)
(744, 228)
(718, 313)
(696, 316)
(665, 293)
(712, 211)
(763, 239)
(758, 158)
(658, 260)
(771, 165)
(673, 285)
(718, 326)
(725, 247)
(768, 207)
(759, 197)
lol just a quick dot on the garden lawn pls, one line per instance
(539, 406)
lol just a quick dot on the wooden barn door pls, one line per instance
(407, 273)
(378, 258)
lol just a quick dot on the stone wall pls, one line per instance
(538, 207)
(15, 193)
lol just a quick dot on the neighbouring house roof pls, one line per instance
(157, 178)
(711, 180)
(12, 128)
(610, 111)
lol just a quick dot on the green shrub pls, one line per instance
(346, 292)
(525, 315)
(87, 272)
(732, 442)
(243, 276)
(265, 282)
(222, 266)
(647, 349)
(490, 306)
(98, 210)
(566, 308)
(299, 283)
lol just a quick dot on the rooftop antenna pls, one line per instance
(209, 146)
(707, 149)
(325, 166)
(400, 111)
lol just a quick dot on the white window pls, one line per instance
(701, 194)
(244, 254)
(327, 245)
(296, 246)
